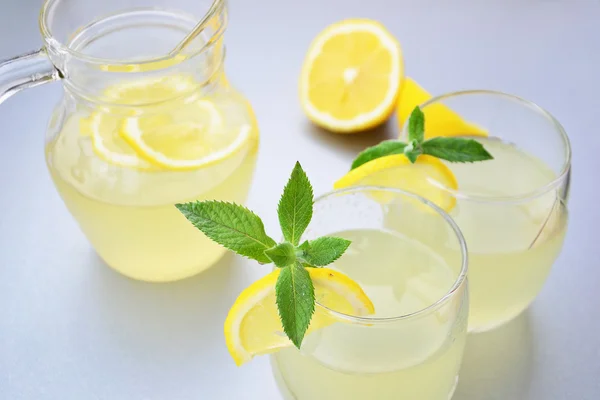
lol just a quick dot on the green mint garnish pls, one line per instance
(322, 251)
(456, 149)
(295, 296)
(413, 150)
(240, 230)
(232, 226)
(296, 206)
(385, 148)
(453, 149)
(416, 126)
(282, 255)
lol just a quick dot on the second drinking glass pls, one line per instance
(512, 210)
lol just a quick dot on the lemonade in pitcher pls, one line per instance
(143, 124)
(120, 175)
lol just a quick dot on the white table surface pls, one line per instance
(70, 328)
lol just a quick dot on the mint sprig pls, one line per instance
(416, 126)
(296, 206)
(240, 230)
(452, 149)
(232, 226)
(282, 255)
(456, 149)
(295, 296)
(322, 251)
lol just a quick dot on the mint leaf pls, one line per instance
(232, 226)
(282, 255)
(295, 297)
(451, 149)
(296, 206)
(413, 150)
(386, 148)
(456, 149)
(323, 251)
(416, 125)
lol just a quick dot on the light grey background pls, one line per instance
(70, 328)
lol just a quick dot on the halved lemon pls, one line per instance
(198, 141)
(351, 76)
(428, 177)
(253, 326)
(440, 120)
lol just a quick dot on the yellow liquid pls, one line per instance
(129, 216)
(511, 246)
(415, 358)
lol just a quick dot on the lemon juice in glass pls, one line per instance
(139, 128)
(512, 209)
(411, 346)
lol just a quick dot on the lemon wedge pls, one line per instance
(428, 177)
(351, 76)
(440, 120)
(199, 141)
(253, 326)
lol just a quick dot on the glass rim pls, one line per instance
(519, 198)
(44, 26)
(459, 281)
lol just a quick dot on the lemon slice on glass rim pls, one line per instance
(428, 177)
(253, 326)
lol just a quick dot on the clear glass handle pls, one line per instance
(25, 71)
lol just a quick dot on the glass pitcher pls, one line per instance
(140, 128)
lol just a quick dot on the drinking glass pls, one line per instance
(410, 259)
(139, 128)
(512, 210)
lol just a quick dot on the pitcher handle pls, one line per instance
(25, 71)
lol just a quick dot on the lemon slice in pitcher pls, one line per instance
(253, 326)
(189, 138)
(108, 144)
(104, 123)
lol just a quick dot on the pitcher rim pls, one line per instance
(216, 7)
